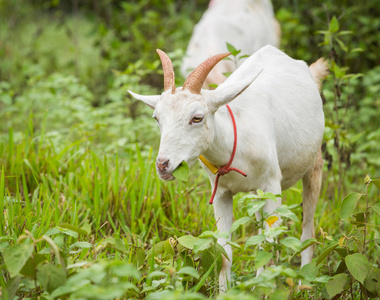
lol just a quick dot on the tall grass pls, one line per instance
(80, 199)
(77, 185)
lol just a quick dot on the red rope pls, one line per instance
(227, 168)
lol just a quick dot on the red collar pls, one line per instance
(227, 168)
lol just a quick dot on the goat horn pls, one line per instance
(167, 66)
(196, 79)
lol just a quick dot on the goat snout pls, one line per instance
(162, 164)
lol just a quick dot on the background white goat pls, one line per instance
(280, 125)
(246, 24)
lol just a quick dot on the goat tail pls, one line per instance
(319, 70)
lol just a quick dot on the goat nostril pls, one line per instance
(162, 164)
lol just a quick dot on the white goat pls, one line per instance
(246, 24)
(280, 124)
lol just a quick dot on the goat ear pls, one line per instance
(226, 93)
(151, 101)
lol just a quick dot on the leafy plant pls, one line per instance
(83, 213)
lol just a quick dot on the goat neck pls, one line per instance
(219, 151)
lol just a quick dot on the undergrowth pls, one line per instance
(83, 213)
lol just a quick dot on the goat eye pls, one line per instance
(196, 120)
(156, 120)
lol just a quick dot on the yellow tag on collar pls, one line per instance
(214, 169)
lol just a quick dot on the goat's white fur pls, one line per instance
(280, 125)
(246, 24)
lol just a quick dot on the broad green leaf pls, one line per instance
(279, 295)
(292, 243)
(262, 258)
(232, 49)
(123, 269)
(247, 197)
(3, 245)
(239, 222)
(77, 265)
(336, 285)
(260, 193)
(254, 207)
(270, 196)
(182, 171)
(342, 268)
(168, 248)
(342, 44)
(189, 271)
(357, 50)
(372, 281)
(73, 284)
(254, 240)
(310, 271)
(187, 241)
(52, 231)
(275, 231)
(376, 182)
(69, 232)
(220, 249)
(343, 251)
(84, 245)
(338, 72)
(202, 244)
(345, 32)
(326, 251)
(11, 288)
(139, 257)
(323, 279)
(86, 228)
(114, 243)
(16, 257)
(54, 248)
(156, 274)
(214, 235)
(287, 213)
(376, 209)
(73, 228)
(50, 277)
(334, 25)
(288, 272)
(30, 267)
(151, 288)
(59, 240)
(233, 244)
(349, 204)
(359, 219)
(208, 259)
(157, 249)
(307, 243)
(114, 291)
(358, 242)
(358, 266)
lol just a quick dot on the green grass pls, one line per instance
(101, 208)
(76, 183)
(83, 212)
